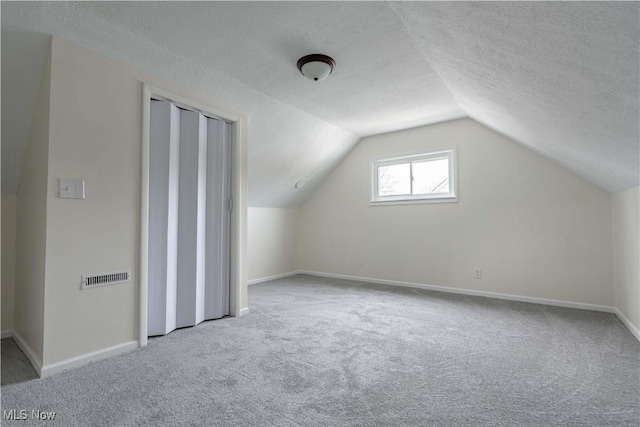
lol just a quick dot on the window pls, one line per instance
(427, 177)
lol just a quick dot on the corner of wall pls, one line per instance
(625, 238)
(111, 113)
(8, 237)
(31, 224)
(273, 243)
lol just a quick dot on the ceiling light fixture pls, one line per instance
(316, 67)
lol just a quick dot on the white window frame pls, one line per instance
(451, 196)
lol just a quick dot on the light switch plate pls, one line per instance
(71, 188)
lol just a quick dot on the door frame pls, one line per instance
(238, 217)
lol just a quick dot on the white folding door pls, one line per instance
(189, 188)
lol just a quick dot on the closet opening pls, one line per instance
(189, 270)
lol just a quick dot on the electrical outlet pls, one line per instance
(477, 273)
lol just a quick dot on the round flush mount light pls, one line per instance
(316, 67)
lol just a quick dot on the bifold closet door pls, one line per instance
(189, 188)
(164, 138)
(218, 219)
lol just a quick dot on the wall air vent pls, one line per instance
(96, 280)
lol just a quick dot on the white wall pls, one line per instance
(626, 254)
(8, 259)
(272, 242)
(535, 229)
(96, 133)
(31, 223)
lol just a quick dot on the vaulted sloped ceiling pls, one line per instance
(560, 78)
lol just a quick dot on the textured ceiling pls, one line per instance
(561, 78)
(381, 82)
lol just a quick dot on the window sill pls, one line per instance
(413, 201)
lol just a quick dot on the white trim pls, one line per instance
(28, 351)
(497, 295)
(238, 232)
(7, 333)
(237, 259)
(274, 277)
(534, 300)
(243, 311)
(626, 322)
(414, 201)
(186, 103)
(76, 362)
(144, 219)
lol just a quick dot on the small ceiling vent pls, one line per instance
(96, 280)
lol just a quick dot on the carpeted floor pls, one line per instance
(321, 352)
(16, 368)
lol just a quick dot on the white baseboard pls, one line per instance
(76, 362)
(630, 326)
(544, 301)
(497, 295)
(7, 333)
(274, 277)
(243, 311)
(28, 351)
